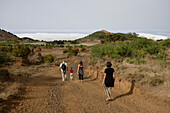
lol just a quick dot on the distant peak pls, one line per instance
(104, 31)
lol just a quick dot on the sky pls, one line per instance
(84, 15)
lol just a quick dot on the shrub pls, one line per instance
(3, 49)
(166, 43)
(136, 77)
(156, 80)
(130, 61)
(162, 56)
(114, 37)
(72, 52)
(68, 46)
(65, 51)
(48, 59)
(61, 46)
(4, 58)
(136, 49)
(93, 61)
(83, 49)
(21, 51)
(74, 42)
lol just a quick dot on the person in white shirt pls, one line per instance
(63, 67)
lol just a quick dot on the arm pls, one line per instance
(60, 67)
(104, 79)
(77, 69)
(114, 75)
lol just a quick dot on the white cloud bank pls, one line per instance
(52, 36)
(153, 36)
(73, 36)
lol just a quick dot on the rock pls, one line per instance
(35, 58)
(37, 50)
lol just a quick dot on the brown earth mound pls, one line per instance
(7, 35)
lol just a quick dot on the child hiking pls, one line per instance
(71, 73)
(108, 80)
(80, 71)
(63, 67)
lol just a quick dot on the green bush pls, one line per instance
(61, 46)
(72, 52)
(83, 49)
(21, 51)
(93, 61)
(48, 59)
(115, 37)
(162, 55)
(136, 49)
(3, 49)
(5, 57)
(68, 46)
(166, 43)
(65, 51)
(130, 61)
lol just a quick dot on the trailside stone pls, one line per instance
(35, 58)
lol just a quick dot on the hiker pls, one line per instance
(108, 80)
(63, 67)
(80, 71)
(71, 73)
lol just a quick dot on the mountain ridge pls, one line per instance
(7, 35)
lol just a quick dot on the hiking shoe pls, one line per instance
(107, 99)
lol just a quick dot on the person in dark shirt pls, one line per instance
(80, 71)
(108, 80)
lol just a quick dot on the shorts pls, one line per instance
(71, 75)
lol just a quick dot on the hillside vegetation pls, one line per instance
(135, 58)
(94, 36)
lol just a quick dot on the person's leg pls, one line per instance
(62, 73)
(65, 75)
(82, 77)
(107, 92)
(79, 76)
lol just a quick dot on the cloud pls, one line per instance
(152, 36)
(52, 36)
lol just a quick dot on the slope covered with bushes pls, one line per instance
(135, 49)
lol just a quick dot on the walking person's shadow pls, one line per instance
(130, 92)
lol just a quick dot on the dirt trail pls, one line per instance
(46, 93)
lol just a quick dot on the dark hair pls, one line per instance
(109, 64)
(81, 63)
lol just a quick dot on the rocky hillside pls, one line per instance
(7, 35)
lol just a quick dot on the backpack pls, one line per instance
(63, 66)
